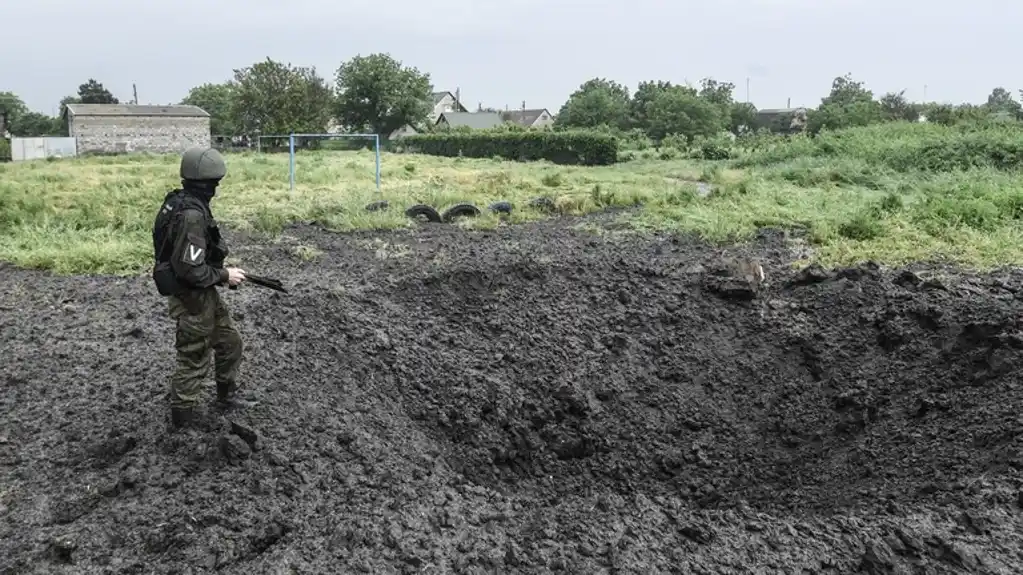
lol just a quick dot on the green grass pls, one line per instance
(892, 193)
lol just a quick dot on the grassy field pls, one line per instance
(893, 193)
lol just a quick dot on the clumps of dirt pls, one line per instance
(533, 399)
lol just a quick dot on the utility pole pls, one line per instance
(747, 89)
(135, 94)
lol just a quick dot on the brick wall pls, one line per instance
(157, 134)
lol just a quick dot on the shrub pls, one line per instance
(906, 147)
(565, 147)
(5, 150)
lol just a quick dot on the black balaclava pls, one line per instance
(202, 189)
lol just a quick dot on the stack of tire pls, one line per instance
(428, 213)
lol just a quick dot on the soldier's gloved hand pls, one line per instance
(235, 276)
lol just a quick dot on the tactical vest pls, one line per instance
(174, 203)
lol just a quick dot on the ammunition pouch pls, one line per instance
(166, 281)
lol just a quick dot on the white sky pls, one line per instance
(501, 53)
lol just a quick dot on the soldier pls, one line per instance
(190, 253)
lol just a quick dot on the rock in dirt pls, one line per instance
(735, 278)
(63, 549)
(811, 274)
(234, 448)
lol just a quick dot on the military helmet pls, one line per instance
(202, 164)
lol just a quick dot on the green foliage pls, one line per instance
(716, 147)
(597, 102)
(215, 99)
(11, 105)
(646, 93)
(376, 93)
(678, 111)
(583, 147)
(23, 122)
(903, 147)
(742, 117)
(273, 98)
(5, 150)
(93, 92)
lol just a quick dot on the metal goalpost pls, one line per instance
(291, 151)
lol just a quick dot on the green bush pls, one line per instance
(5, 150)
(906, 147)
(566, 147)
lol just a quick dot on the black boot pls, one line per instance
(182, 417)
(228, 398)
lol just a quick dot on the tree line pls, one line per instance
(378, 94)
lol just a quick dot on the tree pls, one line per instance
(719, 93)
(92, 92)
(217, 100)
(272, 98)
(742, 117)
(895, 107)
(679, 111)
(646, 92)
(1000, 101)
(23, 122)
(34, 124)
(845, 92)
(378, 94)
(849, 104)
(597, 102)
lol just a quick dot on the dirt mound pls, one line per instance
(530, 400)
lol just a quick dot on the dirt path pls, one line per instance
(530, 400)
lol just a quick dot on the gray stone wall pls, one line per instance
(122, 134)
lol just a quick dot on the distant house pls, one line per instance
(443, 102)
(537, 118)
(476, 121)
(108, 128)
(782, 120)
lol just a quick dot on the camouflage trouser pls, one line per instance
(204, 324)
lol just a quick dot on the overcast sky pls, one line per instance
(503, 52)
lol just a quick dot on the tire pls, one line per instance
(424, 211)
(377, 206)
(500, 207)
(460, 210)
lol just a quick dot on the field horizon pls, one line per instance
(895, 193)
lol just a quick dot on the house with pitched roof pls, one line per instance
(536, 118)
(443, 102)
(472, 120)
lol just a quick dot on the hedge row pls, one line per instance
(569, 147)
(5, 150)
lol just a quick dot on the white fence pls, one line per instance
(41, 148)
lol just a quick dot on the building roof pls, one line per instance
(774, 111)
(438, 96)
(178, 110)
(474, 120)
(523, 117)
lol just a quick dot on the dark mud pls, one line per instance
(532, 400)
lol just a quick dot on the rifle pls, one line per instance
(269, 283)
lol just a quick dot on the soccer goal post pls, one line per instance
(292, 138)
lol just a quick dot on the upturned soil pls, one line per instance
(530, 400)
